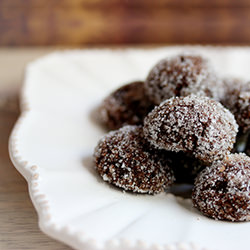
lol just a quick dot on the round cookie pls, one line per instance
(237, 100)
(180, 76)
(231, 88)
(222, 191)
(128, 105)
(242, 111)
(125, 159)
(195, 125)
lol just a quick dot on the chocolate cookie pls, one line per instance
(237, 100)
(222, 191)
(125, 159)
(127, 105)
(180, 76)
(196, 125)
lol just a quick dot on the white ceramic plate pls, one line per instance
(52, 145)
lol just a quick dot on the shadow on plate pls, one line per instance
(181, 190)
(94, 117)
(183, 193)
(89, 164)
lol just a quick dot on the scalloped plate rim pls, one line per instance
(31, 174)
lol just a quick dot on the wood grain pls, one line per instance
(18, 219)
(81, 22)
(134, 3)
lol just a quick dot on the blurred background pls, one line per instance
(98, 22)
(32, 28)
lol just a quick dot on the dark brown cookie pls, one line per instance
(127, 105)
(195, 125)
(180, 76)
(237, 100)
(222, 191)
(231, 88)
(125, 159)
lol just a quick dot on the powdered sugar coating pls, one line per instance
(126, 105)
(243, 111)
(222, 191)
(237, 100)
(196, 125)
(231, 89)
(180, 76)
(125, 159)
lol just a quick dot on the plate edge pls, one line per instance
(30, 172)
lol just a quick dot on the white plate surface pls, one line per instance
(53, 142)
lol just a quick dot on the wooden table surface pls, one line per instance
(18, 218)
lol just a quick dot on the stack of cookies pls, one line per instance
(180, 125)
